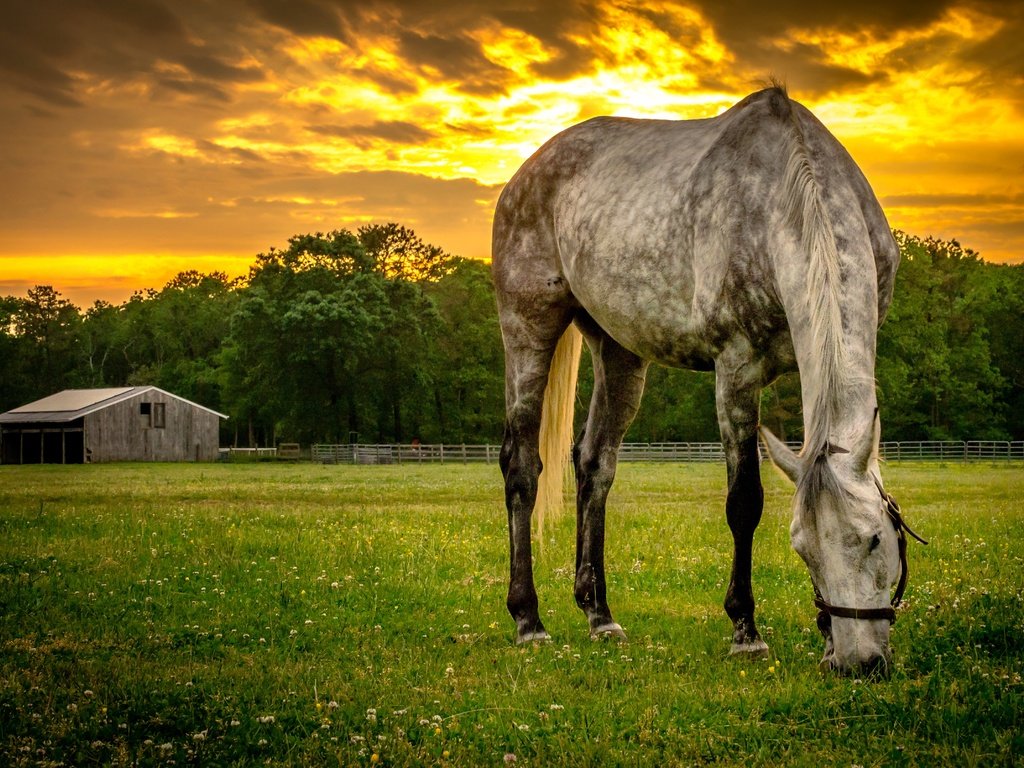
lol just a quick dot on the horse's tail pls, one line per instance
(556, 426)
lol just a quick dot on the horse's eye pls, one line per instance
(875, 541)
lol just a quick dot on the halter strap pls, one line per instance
(826, 610)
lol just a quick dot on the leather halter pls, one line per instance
(826, 611)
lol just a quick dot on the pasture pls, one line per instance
(322, 615)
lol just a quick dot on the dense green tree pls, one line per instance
(297, 336)
(935, 375)
(399, 254)
(50, 329)
(334, 337)
(1004, 315)
(16, 385)
(468, 384)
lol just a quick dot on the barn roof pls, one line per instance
(73, 404)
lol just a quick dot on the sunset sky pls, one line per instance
(141, 138)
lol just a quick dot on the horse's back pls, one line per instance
(652, 225)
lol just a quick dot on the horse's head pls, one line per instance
(850, 534)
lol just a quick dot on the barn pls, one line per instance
(79, 426)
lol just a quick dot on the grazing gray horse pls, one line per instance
(749, 244)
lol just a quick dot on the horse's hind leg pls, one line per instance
(618, 386)
(738, 393)
(531, 331)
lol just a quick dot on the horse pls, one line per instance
(749, 244)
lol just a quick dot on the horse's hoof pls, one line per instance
(611, 630)
(752, 649)
(533, 637)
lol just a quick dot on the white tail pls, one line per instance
(556, 426)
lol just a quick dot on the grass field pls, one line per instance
(322, 615)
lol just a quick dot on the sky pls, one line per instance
(142, 138)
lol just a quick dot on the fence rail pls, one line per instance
(361, 453)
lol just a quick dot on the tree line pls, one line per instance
(376, 336)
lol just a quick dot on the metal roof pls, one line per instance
(73, 404)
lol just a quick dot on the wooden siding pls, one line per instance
(120, 433)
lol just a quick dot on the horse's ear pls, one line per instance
(781, 456)
(867, 446)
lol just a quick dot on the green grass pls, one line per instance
(311, 615)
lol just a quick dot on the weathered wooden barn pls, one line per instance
(79, 426)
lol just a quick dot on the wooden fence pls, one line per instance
(970, 450)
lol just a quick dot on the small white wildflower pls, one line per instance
(265, 719)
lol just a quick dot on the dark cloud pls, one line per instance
(570, 59)
(756, 33)
(48, 47)
(457, 58)
(388, 81)
(1000, 60)
(742, 22)
(197, 88)
(303, 17)
(239, 154)
(395, 131)
(212, 67)
(803, 69)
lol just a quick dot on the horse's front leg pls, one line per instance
(738, 393)
(618, 386)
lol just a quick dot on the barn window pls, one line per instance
(159, 415)
(146, 414)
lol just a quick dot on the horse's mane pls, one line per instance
(807, 214)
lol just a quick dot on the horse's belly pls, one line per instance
(646, 305)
